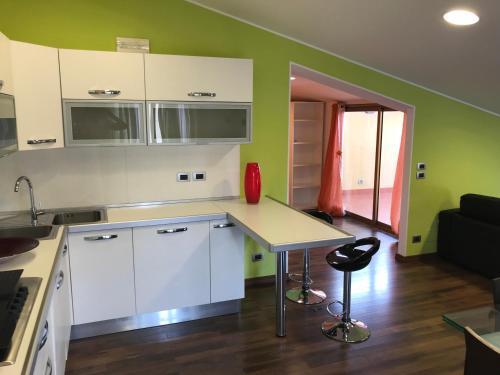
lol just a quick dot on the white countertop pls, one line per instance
(36, 263)
(272, 224)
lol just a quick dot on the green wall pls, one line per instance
(458, 143)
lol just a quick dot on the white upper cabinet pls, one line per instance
(102, 75)
(6, 86)
(192, 78)
(35, 72)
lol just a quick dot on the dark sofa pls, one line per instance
(470, 235)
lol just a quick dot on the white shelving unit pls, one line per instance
(306, 153)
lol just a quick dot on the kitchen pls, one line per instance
(139, 250)
(147, 152)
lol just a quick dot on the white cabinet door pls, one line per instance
(171, 266)
(96, 71)
(6, 86)
(183, 78)
(35, 70)
(61, 303)
(227, 277)
(102, 275)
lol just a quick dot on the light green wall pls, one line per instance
(458, 143)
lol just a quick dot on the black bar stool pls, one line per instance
(304, 294)
(347, 259)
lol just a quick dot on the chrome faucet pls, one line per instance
(34, 211)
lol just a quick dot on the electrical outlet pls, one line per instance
(199, 176)
(360, 181)
(420, 175)
(416, 239)
(183, 177)
(257, 257)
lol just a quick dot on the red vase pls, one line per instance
(252, 183)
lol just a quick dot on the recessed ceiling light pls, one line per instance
(461, 17)
(292, 78)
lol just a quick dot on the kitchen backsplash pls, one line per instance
(72, 177)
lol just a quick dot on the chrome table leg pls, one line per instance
(280, 294)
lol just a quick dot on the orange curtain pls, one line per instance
(398, 183)
(330, 195)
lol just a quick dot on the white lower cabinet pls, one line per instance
(102, 275)
(227, 281)
(172, 266)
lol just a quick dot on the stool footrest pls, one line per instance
(305, 297)
(298, 278)
(352, 331)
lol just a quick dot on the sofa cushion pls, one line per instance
(481, 207)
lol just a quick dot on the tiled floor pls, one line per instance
(360, 202)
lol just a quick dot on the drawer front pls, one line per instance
(172, 266)
(193, 78)
(227, 277)
(102, 275)
(101, 75)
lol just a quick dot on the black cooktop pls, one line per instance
(12, 299)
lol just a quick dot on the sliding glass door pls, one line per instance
(358, 162)
(370, 148)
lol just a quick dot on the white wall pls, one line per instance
(73, 177)
(359, 143)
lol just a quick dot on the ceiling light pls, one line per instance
(292, 78)
(461, 17)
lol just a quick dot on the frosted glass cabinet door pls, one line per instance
(88, 123)
(198, 123)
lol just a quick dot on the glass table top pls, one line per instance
(485, 321)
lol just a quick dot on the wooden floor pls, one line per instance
(401, 302)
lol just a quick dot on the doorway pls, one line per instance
(370, 149)
(328, 90)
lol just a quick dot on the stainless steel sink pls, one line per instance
(38, 232)
(77, 217)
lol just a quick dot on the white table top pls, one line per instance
(278, 227)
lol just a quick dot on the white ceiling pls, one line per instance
(404, 38)
(309, 90)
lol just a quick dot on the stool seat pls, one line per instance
(349, 258)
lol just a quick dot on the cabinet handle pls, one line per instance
(198, 94)
(107, 92)
(65, 250)
(40, 141)
(45, 335)
(227, 225)
(60, 280)
(48, 369)
(100, 238)
(174, 230)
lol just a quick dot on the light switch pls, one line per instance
(420, 166)
(420, 175)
